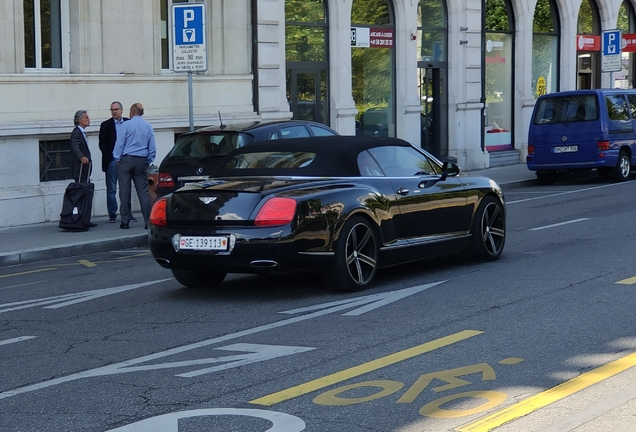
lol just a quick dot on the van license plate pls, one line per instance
(565, 149)
(204, 243)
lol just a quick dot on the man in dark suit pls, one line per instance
(107, 138)
(81, 162)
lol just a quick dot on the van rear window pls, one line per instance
(566, 109)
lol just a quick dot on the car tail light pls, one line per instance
(165, 180)
(603, 145)
(158, 213)
(530, 149)
(276, 211)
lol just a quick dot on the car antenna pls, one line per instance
(220, 120)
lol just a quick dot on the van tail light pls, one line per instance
(603, 145)
(276, 211)
(530, 149)
(165, 180)
(158, 213)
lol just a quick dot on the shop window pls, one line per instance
(45, 35)
(625, 23)
(373, 65)
(545, 48)
(498, 85)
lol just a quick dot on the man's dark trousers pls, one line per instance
(135, 169)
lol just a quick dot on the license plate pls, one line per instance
(204, 243)
(565, 149)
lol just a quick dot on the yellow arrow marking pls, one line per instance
(355, 371)
(87, 263)
(628, 281)
(26, 272)
(549, 396)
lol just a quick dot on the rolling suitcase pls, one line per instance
(77, 205)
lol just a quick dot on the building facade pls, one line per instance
(458, 77)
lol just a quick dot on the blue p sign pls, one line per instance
(188, 22)
(611, 42)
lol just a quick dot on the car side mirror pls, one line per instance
(449, 168)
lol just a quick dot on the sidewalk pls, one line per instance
(30, 243)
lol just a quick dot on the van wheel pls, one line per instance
(621, 171)
(546, 178)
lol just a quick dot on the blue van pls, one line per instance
(582, 130)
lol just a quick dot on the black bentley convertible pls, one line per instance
(338, 206)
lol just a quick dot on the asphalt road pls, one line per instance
(110, 342)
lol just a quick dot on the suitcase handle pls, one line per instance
(88, 179)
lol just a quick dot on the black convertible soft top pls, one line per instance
(336, 156)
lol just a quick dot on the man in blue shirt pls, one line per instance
(134, 151)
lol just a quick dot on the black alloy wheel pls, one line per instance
(489, 230)
(356, 257)
(193, 279)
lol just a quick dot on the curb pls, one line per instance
(70, 250)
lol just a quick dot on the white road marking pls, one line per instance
(565, 193)
(170, 422)
(70, 299)
(121, 367)
(372, 301)
(558, 224)
(18, 339)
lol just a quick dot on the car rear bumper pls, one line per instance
(251, 254)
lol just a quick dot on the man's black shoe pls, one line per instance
(132, 219)
(92, 225)
(123, 226)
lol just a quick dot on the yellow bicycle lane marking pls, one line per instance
(355, 371)
(549, 396)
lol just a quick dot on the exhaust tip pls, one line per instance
(264, 264)
(163, 262)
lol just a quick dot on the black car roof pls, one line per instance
(336, 156)
(247, 126)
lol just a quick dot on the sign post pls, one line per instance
(189, 48)
(611, 53)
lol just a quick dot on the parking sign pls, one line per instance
(189, 50)
(611, 51)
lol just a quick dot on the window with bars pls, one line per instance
(55, 160)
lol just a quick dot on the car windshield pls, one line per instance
(566, 109)
(206, 145)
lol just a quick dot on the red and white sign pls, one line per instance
(365, 37)
(628, 43)
(588, 42)
(381, 38)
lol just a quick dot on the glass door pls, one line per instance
(433, 119)
(306, 94)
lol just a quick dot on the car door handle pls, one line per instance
(402, 191)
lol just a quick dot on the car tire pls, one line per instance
(193, 279)
(489, 230)
(355, 258)
(546, 178)
(621, 171)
